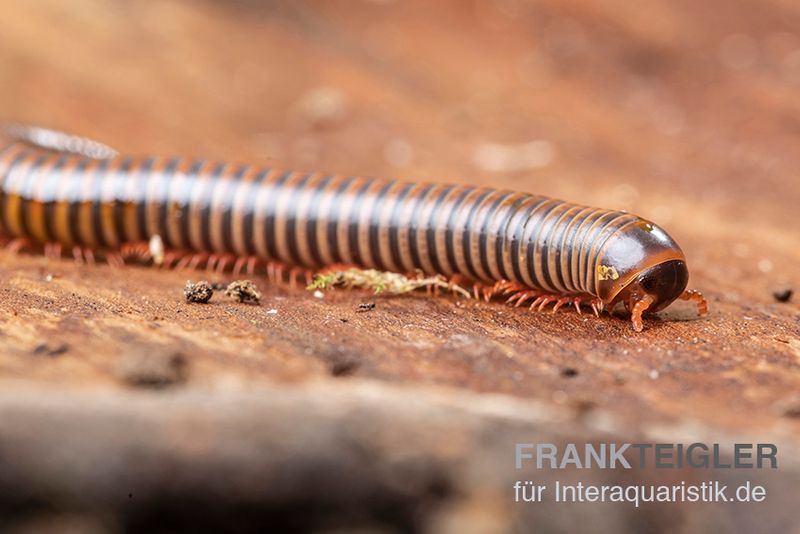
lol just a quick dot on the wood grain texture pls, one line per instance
(685, 113)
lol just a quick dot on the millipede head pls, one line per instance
(654, 289)
(665, 282)
(642, 267)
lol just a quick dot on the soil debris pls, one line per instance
(46, 349)
(243, 291)
(343, 368)
(784, 295)
(154, 369)
(200, 293)
(569, 372)
(365, 307)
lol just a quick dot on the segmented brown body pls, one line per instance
(317, 219)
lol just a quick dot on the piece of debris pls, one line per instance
(201, 292)
(45, 349)
(343, 367)
(784, 295)
(273, 311)
(156, 248)
(321, 107)
(243, 291)
(365, 307)
(383, 282)
(319, 294)
(569, 372)
(154, 369)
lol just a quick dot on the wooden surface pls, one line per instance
(686, 113)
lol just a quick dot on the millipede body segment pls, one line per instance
(539, 248)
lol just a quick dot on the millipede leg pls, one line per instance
(521, 296)
(212, 262)
(17, 244)
(638, 308)
(183, 263)
(171, 259)
(459, 280)
(196, 259)
(541, 300)
(476, 288)
(142, 251)
(560, 302)
(275, 272)
(52, 251)
(239, 265)
(115, 260)
(536, 302)
(501, 287)
(696, 297)
(547, 299)
(300, 274)
(223, 263)
(597, 306)
(294, 274)
(135, 251)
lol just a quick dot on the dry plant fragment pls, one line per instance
(200, 292)
(243, 291)
(156, 248)
(380, 282)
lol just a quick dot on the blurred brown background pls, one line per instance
(684, 112)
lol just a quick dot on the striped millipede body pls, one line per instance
(76, 193)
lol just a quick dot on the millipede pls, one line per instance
(60, 192)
